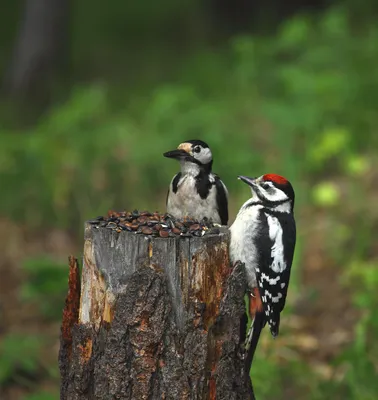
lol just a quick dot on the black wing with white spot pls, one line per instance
(173, 186)
(276, 242)
(222, 200)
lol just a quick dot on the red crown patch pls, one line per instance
(280, 180)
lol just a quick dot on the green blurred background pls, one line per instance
(94, 92)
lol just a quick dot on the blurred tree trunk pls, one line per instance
(258, 16)
(40, 49)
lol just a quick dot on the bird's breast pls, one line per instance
(243, 248)
(188, 202)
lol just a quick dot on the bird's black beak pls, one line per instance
(177, 154)
(249, 181)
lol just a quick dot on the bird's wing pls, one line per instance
(258, 313)
(173, 186)
(273, 273)
(276, 243)
(222, 200)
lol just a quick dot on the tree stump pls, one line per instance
(157, 318)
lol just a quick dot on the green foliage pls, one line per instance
(22, 355)
(45, 279)
(19, 358)
(358, 362)
(302, 104)
(293, 95)
(268, 372)
(326, 194)
(41, 395)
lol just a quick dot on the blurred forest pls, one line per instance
(93, 93)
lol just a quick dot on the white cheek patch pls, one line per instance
(275, 195)
(204, 156)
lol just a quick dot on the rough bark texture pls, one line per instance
(70, 317)
(159, 319)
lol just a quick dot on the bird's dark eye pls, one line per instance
(265, 185)
(197, 149)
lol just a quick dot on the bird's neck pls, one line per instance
(195, 170)
(284, 206)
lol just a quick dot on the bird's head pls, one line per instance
(193, 153)
(271, 189)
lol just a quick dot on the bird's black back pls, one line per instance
(222, 201)
(264, 244)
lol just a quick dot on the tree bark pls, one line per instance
(160, 318)
(39, 51)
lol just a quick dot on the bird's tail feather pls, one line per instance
(253, 337)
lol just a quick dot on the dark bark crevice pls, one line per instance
(175, 327)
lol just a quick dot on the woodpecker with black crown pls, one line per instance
(195, 191)
(263, 237)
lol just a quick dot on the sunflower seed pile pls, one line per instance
(155, 224)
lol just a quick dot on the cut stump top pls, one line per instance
(196, 268)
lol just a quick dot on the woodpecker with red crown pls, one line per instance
(195, 191)
(263, 237)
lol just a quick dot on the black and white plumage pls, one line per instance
(195, 191)
(263, 237)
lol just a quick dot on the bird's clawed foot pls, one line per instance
(237, 268)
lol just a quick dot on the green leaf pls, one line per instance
(326, 194)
